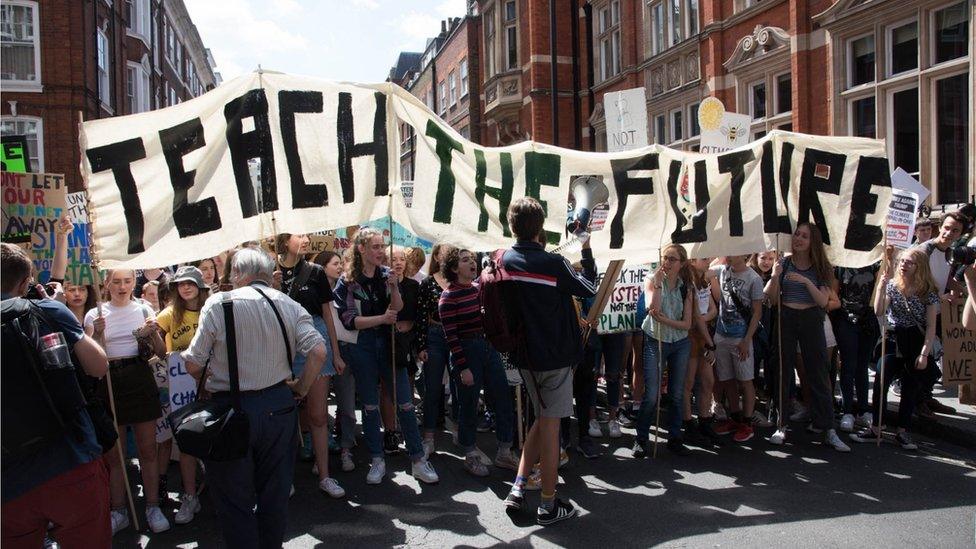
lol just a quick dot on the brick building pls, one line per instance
(96, 58)
(898, 70)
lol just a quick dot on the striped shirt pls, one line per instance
(261, 352)
(797, 292)
(460, 312)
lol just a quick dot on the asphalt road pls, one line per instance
(802, 494)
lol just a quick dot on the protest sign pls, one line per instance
(721, 131)
(901, 218)
(626, 115)
(900, 179)
(958, 346)
(32, 205)
(620, 313)
(321, 241)
(79, 252)
(173, 185)
(14, 156)
(160, 371)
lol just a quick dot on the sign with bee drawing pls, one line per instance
(721, 130)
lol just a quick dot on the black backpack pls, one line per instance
(37, 403)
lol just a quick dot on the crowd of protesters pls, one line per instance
(729, 349)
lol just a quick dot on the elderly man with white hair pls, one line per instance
(251, 493)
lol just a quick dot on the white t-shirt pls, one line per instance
(704, 296)
(119, 325)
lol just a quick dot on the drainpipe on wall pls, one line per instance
(552, 70)
(577, 116)
(588, 14)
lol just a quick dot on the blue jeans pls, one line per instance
(486, 367)
(675, 358)
(371, 360)
(328, 368)
(437, 359)
(251, 493)
(856, 343)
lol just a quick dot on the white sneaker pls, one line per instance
(474, 466)
(156, 519)
(718, 411)
(864, 420)
(189, 506)
(779, 437)
(346, 460)
(120, 521)
(483, 456)
(847, 423)
(614, 428)
(505, 459)
(331, 487)
(428, 447)
(424, 472)
(835, 441)
(594, 431)
(377, 470)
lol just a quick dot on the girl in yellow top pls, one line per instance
(178, 323)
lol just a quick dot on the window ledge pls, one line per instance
(138, 36)
(22, 87)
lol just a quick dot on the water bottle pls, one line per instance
(55, 353)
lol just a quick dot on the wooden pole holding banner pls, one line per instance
(885, 266)
(602, 296)
(393, 330)
(660, 367)
(779, 345)
(97, 279)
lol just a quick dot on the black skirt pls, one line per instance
(135, 391)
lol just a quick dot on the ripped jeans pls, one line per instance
(370, 359)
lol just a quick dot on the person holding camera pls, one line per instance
(129, 332)
(63, 482)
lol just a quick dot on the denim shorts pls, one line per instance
(328, 369)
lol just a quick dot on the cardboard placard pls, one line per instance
(32, 205)
(959, 346)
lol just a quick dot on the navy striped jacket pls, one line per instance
(547, 284)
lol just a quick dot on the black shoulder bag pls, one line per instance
(213, 430)
(760, 346)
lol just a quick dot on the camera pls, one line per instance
(959, 257)
(34, 293)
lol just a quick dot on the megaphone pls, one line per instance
(587, 192)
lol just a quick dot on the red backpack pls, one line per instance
(499, 297)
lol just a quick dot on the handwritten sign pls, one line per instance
(321, 241)
(79, 249)
(32, 205)
(13, 154)
(620, 314)
(959, 347)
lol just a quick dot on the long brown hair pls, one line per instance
(435, 264)
(179, 304)
(354, 268)
(685, 272)
(818, 255)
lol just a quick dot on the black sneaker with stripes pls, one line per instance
(561, 510)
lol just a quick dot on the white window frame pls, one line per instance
(463, 72)
(608, 39)
(104, 78)
(661, 139)
(686, 17)
(452, 87)
(658, 18)
(693, 117)
(673, 39)
(850, 111)
(933, 153)
(889, 45)
(510, 25)
(140, 87)
(40, 135)
(749, 99)
(933, 34)
(35, 85)
(443, 105)
(850, 61)
(775, 98)
(491, 36)
(671, 125)
(138, 26)
(889, 136)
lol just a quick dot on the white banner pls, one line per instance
(173, 185)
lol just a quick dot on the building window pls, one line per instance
(465, 132)
(863, 118)
(32, 128)
(490, 45)
(951, 138)
(104, 78)
(511, 36)
(676, 128)
(172, 96)
(430, 99)
(443, 91)
(784, 94)
(903, 48)
(692, 14)
(452, 84)
(21, 59)
(660, 129)
(903, 135)
(693, 120)
(740, 5)
(862, 60)
(138, 17)
(464, 77)
(757, 100)
(137, 88)
(609, 40)
(657, 28)
(951, 32)
(674, 10)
